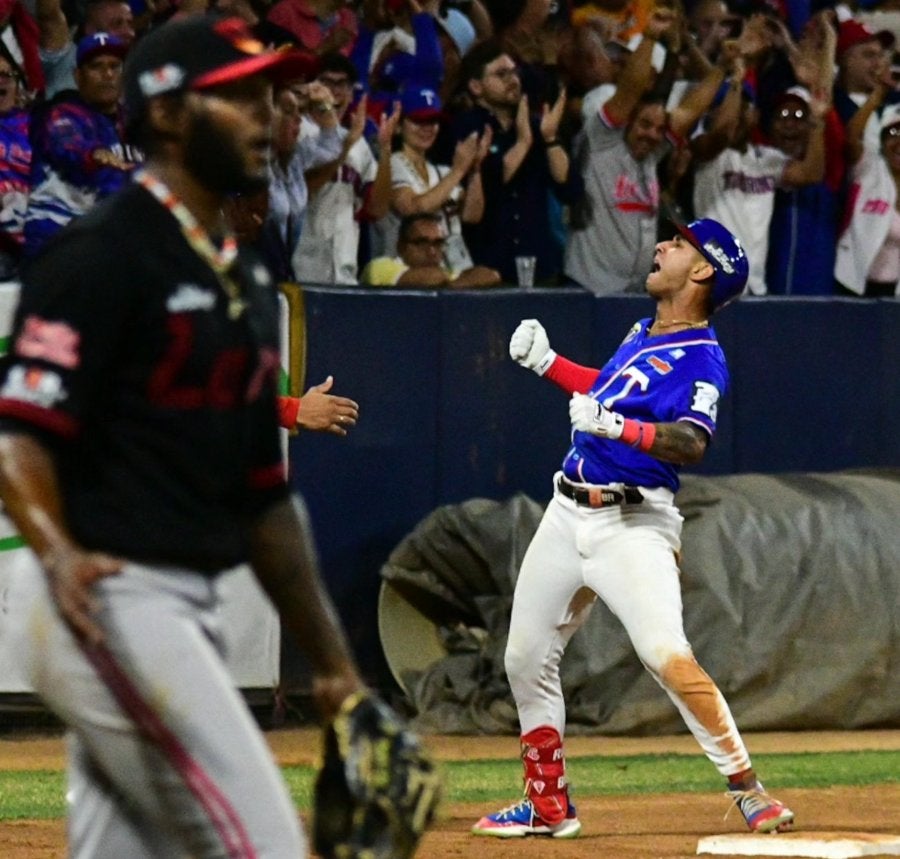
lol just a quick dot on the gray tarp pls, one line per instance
(791, 588)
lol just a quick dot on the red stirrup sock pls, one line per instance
(545, 773)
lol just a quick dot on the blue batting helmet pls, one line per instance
(724, 253)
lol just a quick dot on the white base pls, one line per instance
(825, 845)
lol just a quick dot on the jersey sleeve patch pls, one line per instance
(40, 387)
(54, 342)
(705, 399)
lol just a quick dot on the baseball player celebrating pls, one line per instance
(612, 530)
(140, 458)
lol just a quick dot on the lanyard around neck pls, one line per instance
(220, 260)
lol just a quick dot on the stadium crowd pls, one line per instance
(571, 131)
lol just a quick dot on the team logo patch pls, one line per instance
(261, 275)
(33, 385)
(714, 249)
(55, 342)
(706, 399)
(164, 79)
(190, 296)
(677, 353)
(661, 367)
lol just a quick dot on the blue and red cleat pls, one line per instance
(522, 819)
(762, 812)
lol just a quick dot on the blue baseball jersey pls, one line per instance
(15, 168)
(671, 377)
(78, 158)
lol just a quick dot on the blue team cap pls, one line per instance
(724, 253)
(97, 44)
(420, 103)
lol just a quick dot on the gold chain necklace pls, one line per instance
(703, 323)
(220, 260)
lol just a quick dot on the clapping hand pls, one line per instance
(484, 145)
(357, 122)
(661, 21)
(387, 125)
(552, 116)
(756, 37)
(523, 122)
(465, 153)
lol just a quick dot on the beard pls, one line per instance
(215, 160)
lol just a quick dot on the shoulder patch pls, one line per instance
(55, 342)
(42, 388)
(635, 330)
(705, 399)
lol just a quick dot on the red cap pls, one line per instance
(853, 32)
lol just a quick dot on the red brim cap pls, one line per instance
(423, 115)
(199, 52)
(280, 66)
(684, 229)
(852, 32)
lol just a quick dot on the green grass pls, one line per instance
(39, 795)
(486, 780)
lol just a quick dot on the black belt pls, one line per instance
(599, 496)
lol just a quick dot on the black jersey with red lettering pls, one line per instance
(161, 407)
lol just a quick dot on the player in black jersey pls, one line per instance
(140, 459)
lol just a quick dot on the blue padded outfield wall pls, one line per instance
(445, 415)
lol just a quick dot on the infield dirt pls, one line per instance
(650, 826)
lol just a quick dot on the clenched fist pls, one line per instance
(530, 347)
(587, 415)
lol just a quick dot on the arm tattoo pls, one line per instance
(681, 442)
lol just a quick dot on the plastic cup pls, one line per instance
(525, 271)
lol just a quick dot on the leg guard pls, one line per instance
(545, 773)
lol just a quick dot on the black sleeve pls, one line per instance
(72, 311)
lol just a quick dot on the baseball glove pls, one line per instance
(377, 789)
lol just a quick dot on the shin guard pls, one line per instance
(545, 773)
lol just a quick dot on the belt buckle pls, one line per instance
(601, 496)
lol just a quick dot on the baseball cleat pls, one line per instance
(762, 812)
(521, 819)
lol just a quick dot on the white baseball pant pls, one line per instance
(626, 556)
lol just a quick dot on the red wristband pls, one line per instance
(288, 409)
(638, 434)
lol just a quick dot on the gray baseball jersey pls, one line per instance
(613, 251)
